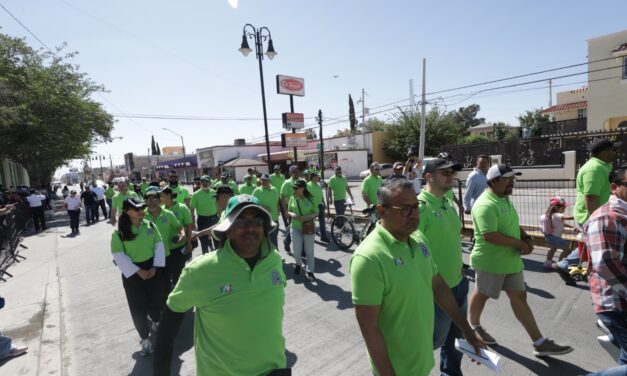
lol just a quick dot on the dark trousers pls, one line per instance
(340, 209)
(616, 323)
(89, 213)
(74, 214)
(39, 217)
(145, 298)
(203, 222)
(103, 207)
(321, 223)
(450, 358)
(109, 204)
(174, 265)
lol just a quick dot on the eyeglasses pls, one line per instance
(408, 210)
(243, 223)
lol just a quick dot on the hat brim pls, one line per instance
(221, 228)
(509, 174)
(451, 165)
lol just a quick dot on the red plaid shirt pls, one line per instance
(605, 234)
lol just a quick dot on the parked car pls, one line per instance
(386, 170)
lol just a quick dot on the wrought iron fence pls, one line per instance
(564, 126)
(11, 226)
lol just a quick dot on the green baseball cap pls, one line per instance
(205, 177)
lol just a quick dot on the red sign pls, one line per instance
(292, 120)
(290, 85)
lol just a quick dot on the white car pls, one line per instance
(386, 170)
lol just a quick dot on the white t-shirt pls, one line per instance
(416, 179)
(73, 202)
(555, 228)
(35, 200)
(99, 191)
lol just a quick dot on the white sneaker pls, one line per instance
(146, 347)
(548, 264)
(602, 327)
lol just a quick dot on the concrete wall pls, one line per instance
(606, 98)
(352, 162)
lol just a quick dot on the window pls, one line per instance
(582, 113)
(625, 68)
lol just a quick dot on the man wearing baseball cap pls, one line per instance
(593, 185)
(499, 242)
(287, 191)
(440, 224)
(397, 172)
(238, 292)
(203, 204)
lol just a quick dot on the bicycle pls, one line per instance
(343, 230)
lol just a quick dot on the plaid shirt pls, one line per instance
(605, 234)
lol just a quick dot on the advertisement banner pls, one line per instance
(295, 140)
(290, 85)
(293, 120)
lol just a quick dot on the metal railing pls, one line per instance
(12, 225)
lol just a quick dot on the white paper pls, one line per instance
(349, 201)
(487, 358)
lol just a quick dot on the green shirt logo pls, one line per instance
(276, 278)
(226, 289)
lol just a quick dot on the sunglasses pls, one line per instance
(244, 223)
(407, 210)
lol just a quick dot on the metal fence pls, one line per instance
(531, 199)
(12, 225)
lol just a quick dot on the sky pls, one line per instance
(181, 59)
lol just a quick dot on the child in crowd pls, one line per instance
(552, 227)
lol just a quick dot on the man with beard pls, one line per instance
(182, 194)
(499, 242)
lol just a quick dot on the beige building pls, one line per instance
(571, 105)
(487, 130)
(172, 150)
(607, 82)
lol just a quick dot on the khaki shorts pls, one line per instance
(491, 284)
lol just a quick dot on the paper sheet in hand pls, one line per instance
(349, 201)
(487, 358)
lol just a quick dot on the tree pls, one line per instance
(500, 130)
(158, 149)
(373, 125)
(530, 122)
(47, 116)
(441, 129)
(467, 118)
(311, 133)
(474, 139)
(351, 114)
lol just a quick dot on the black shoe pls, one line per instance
(465, 266)
(296, 269)
(287, 248)
(566, 277)
(325, 240)
(311, 277)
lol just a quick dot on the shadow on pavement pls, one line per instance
(553, 366)
(290, 358)
(539, 292)
(331, 266)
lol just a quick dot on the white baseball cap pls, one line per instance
(501, 170)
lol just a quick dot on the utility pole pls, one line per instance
(412, 98)
(321, 165)
(421, 149)
(550, 93)
(293, 130)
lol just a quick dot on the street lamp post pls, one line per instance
(259, 36)
(184, 155)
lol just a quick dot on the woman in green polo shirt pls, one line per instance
(301, 208)
(139, 253)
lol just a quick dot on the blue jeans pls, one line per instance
(340, 207)
(321, 223)
(571, 259)
(615, 371)
(307, 241)
(89, 213)
(110, 205)
(445, 332)
(5, 346)
(616, 323)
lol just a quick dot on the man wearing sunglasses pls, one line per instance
(593, 186)
(499, 243)
(371, 184)
(238, 292)
(440, 224)
(394, 285)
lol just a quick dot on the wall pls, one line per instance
(606, 98)
(240, 172)
(352, 162)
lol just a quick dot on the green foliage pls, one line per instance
(351, 114)
(47, 115)
(474, 139)
(441, 129)
(374, 125)
(531, 120)
(467, 118)
(500, 130)
(311, 134)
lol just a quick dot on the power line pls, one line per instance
(25, 28)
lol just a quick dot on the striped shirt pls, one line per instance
(605, 234)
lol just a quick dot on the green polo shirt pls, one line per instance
(168, 227)
(370, 186)
(450, 195)
(438, 217)
(182, 193)
(397, 277)
(316, 191)
(254, 180)
(287, 189)
(143, 187)
(184, 216)
(203, 202)
(277, 181)
(269, 199)
(245, 189)
(338, 186)
(307, 207)
(592, 180)
(141, 248)
(238, 327)
(109, 193)
(231, 184)
(119, 198)
(491, 213)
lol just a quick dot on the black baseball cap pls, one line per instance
(603, 144)
(441, 164)
(133, 203)
(223, 189)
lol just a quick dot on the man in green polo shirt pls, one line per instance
(238, 292)
(169, 227)
(287, 191)
(248, 187)
(180, 251)
(226, 180)
(499, 243)
(277, 179)
(394, 284)
(182, 194)
(118, 199)
(338, 187)
(440, 224)
(203, 205)
(593, 179)
(268, 198)
(144, 185)
(371, 184)
(318, 198)
(253, 175)
(109, 193)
